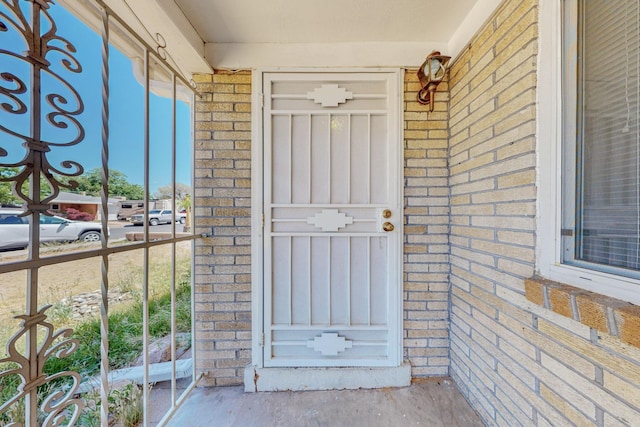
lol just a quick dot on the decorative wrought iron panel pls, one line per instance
(41, 127)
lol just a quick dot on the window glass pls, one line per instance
(601, 197)
(51, 220)
(12, 219)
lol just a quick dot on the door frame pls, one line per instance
(257, 200)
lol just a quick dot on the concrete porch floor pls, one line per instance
(433, 402)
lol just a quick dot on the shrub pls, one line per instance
(76, 215)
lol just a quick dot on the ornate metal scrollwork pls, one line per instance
(39, 33)
(60, 404)
(39, 112)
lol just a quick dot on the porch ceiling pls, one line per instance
(325, 21)
(306, 33)
(250, 33)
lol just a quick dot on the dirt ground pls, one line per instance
(73, 278)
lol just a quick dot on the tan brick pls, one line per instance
(475, 232)
(221, 76)
(213, 107)
(232, 97)
(472, 163)
(628, 323)
(526, 161)
(622, 388)
(211, 125)
(507, 251)
(612, 421)
(522, 33)
(560, 300)
(202, 78)
(517, 179)
(592, 311)
(467, 141)
(515, 148)
(516, 238)
(615, 345)
(215, 88)
(415, 134)
(535, 291)
(565, 407)
(227, 115)
(588, 350)
(242, 108)
(605, 399)
(232, 135)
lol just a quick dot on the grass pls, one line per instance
(125, 406)
(125, 339)
(125, 333)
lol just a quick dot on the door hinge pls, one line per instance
(261, 340)
(262, 100)
(262, 220)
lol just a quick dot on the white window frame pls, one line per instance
(549, 181)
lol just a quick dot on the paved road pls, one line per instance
(120, 229)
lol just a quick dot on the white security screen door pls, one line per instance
(333, 219)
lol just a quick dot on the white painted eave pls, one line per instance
(148, 18)
(319, 55)
(374, 53)
(164, 17)
(184, 24)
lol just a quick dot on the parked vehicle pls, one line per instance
(126, 208)
(14, 230)
(159, 216)
(181, 216)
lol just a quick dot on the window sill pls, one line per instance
(608, 315)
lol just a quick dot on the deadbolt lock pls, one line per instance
(386, 213)
(387, 226)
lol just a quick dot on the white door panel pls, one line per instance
(332, 163)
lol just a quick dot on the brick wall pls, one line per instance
(223, 282)
(222, 200)
(517, 362)
(426, 249)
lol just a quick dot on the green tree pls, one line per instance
(186, 202)
(90, 183)
(7, 197)
(166, 192)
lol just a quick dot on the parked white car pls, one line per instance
(159, 216)
(14, 230)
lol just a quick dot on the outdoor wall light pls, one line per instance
(430, 74)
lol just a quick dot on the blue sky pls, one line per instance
(126, 121)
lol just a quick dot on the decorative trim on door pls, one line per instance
(330, 220)
(329, 283)
(330, 95)
(329, 344)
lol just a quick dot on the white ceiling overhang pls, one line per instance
(239, 34)
(333, 33)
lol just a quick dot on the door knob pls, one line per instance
(387, 226)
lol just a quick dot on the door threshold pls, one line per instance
(306, 379)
